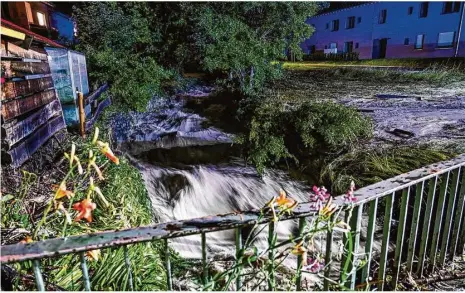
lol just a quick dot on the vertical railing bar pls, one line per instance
(461, 241)
(458, 215)
(38, 275)
(370, 235)
(400, 234)
(128, 265)
(385, 242)
(347, 217)
(438, 221)
(238, 255)
(271, 236)
(450, 210)
(204, 259)
(85, 272)
(168, 267)
(300, 259)
(414, 228)
(357, 221)
(426, 224)
(328, 256)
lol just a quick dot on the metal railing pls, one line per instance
(427, 206)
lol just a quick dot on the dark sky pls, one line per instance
(64, 6)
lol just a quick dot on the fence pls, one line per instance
(427, 206)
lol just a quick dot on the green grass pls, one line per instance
(405, 62)
(366, 167)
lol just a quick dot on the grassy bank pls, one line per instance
(129, 206)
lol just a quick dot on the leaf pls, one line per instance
(6, 198)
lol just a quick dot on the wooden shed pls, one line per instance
(30, 110)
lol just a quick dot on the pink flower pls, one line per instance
(314, 265)
(350, 196)
(319, 196)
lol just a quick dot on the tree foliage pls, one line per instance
(137, 45)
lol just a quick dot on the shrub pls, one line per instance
(278, 132)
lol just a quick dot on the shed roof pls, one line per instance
(37, 37)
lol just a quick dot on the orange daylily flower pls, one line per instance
(92, 163)
(328, 209)
(62, 191)
(105, 148)
(85, 208)
(284, 201)
(300, 250)
(28, 239)
(93, 255)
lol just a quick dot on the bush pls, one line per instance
(278, 132)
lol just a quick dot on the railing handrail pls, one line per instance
(79, 243)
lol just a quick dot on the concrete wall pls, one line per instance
(399, 25)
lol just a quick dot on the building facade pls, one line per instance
(391, 30)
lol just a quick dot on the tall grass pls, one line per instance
(366, 167)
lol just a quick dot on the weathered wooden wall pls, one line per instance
(31, 112)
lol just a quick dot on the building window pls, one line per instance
(424, 9)
(359, 19)
(450, 7)
(446, 40)
(41, 19)
(419, 42)
(335, 25)
(333, 46)
(327, 25)
(326, 46)
(382, 16)
(348, 47)
(410, 10)
(350, 22)
(356, 45)
(406, 41)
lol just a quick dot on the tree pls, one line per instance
(244, 39)
(118, 41)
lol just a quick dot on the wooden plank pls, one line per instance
(13, 89)
(13, 50)
(105, 103)
(96, 94)
(21, 153)
(12, 33)
(14, 108)
(20, 69)
(12, 133)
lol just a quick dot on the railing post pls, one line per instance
(328, 255)
(128, 265)
(369, 244)
(238, 255)
(355, 225)
(168, 266)
(438, 219)
(426, 224)
(204, 259)
(85, 272)
(400, 235)
(300, 259)
(450, 209)
(82, 115)
(459, 213)
(38, 275)
(385, 243)
(419, 189)
(271, 243)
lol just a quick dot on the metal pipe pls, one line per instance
(459, 30)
